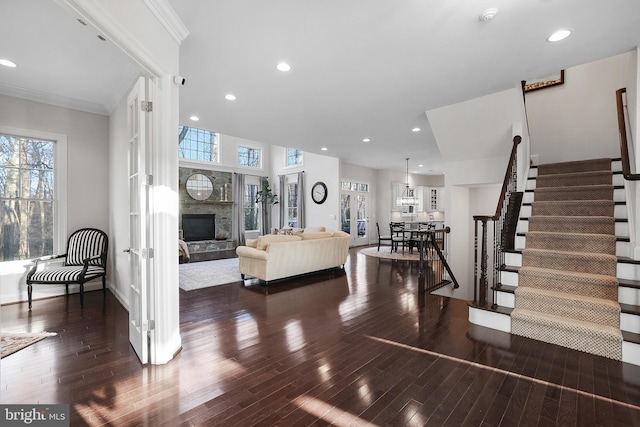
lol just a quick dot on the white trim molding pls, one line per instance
(165, 14)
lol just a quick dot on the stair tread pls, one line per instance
(563, 295)
(593, 276)
(628, 283)
(578, 324)
(490, 307)
(554, 252)
(631, 337)
(505, 288)
(630, 308)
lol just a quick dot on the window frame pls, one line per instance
(60, 199)
(201, 163)
(253, 180)
(286, 158)
(250, 147)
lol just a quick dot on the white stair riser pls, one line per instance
(520, 242)
(620, 212)
(509, 278)
(631, 353)
(622, 229)
(506, 299)
(628, 271)
(616, 166)
(630, 323)
(628, 295)
(514, 260)
(489, 319)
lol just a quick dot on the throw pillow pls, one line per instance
(252, 243)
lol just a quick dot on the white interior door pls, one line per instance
(139, 226)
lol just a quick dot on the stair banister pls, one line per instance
(509, 187)
(624, 143)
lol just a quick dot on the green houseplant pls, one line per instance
(267, 198)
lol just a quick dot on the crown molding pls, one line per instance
(52, 99)
(165, 14)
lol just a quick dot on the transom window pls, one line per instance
(27, 197)
(355, 186)
(294, 157)
(249, 157)
(198, 144)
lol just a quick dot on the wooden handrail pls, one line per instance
(624, 144)
(507, 177)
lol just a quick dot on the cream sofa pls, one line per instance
(273, 257)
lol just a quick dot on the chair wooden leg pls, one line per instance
(81, 295)
(66, 286)
(104, 286)
(30, 294)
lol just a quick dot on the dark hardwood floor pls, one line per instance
(359, 347)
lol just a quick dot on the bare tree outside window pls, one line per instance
(26, 197)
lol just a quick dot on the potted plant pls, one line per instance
(267, 198)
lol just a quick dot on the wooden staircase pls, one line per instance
(498, 316)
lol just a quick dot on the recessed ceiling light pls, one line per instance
(366, 140)
(324, 148)
(8, 63)
(230, 97)
(420, 166)
(194, 118)
(101, 37)
(283, 66)
(415, 130)
(559, 35)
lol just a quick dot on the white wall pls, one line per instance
(577, 120)
(316, 168)
(87, 172)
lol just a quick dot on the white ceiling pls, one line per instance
(360, 68)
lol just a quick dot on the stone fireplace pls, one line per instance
(213, 215)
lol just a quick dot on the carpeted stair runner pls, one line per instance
(567, 290)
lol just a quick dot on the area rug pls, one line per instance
(203, 274)
(385, 252)
(13, 342)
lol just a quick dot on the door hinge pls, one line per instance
(148, 180)
(146, 106)
(147, 253)
(148, 325)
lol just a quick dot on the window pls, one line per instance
(27, 197)
(355, 186)
(251, 208)
(294, 157)
(292, 204)
(249, 157)
(197, 144)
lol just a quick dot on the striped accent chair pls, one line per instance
(86, 259)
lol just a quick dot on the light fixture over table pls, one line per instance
(407, 198)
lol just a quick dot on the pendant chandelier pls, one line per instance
(407, 198)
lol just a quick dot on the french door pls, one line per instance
(354, 219)
(139, 221)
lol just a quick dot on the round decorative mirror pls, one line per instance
(199, 186)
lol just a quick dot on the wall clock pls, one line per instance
(319, 192)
